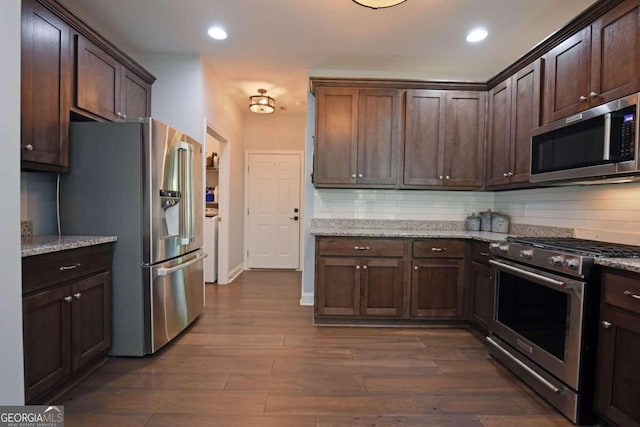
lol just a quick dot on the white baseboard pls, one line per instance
(306, 298)
(235, 272)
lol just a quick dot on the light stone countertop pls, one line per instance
(628, 264)
(37, 245)
(415, 233)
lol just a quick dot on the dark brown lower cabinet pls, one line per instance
(370, 287)
(66, 324)
(437, 288)
(481, 287)
(618, 375)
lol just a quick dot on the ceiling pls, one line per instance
(277, 44)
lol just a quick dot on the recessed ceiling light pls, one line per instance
(217, 33)
(476, 35)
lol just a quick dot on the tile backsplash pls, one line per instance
(601, 212)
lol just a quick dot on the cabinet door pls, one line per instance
(525, 116)
(615, 53)
(424, 138)
(97, 81)
(567, 76)
(464, 139)
(437, 288)
(136, 95)
(90, 319)
(338, 286)
(482, 296)
(47, 340)
(378, 128)
(335, 154)
(618, 376)
(45, 89)
(499, 134)
(382, 287)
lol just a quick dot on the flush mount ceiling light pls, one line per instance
(262, 103)
(217, 33)
(476, 35)
(378, 4)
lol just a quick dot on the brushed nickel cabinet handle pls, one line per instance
(28, 147)
(632, 295)
(447, 177)
(509, 173)
(438, 250)
(364, 267)
(68, 299)
(361, 248)
(592, 94)
(357, 267)
(582, 98)
(70, 267)
(360, 175)
(416, 268)
(505, 174)
(353, 175)
(606, 324)
(77, 295)
(484, 253)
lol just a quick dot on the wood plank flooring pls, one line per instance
(253, 358)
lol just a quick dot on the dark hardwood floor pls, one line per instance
(253, 358)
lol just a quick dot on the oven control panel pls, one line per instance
(568, 264)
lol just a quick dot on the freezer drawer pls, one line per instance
(176, 297)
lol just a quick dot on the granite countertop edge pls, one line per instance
(628, 264)
(38, 245)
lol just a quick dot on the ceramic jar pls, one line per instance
(473, 222)
(500, 223)
(485, 220)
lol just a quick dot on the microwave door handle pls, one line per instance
(606, 153)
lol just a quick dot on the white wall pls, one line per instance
(38, 201)
(281, 130)
(177, 94)
(225, 116)
(11, 366)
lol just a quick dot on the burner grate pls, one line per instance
(584, 247)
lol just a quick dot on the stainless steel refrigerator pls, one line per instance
(141, 181)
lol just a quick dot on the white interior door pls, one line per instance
(273, 209)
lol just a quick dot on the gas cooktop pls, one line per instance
(582, 247)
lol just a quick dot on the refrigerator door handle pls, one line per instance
(167, 271)
(186, 187)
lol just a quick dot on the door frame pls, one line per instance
(300, 154)
(224, 201)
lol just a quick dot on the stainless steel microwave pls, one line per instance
(598, 144)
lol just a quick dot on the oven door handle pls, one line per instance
(528, 274)
(530, 371)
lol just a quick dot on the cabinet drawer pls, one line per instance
(41, 271)
(622, 290)
(480, 252)
(438, 248)
(361, 247)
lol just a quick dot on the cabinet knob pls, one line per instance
(360, 175)
(592, 94)
(415, 268)
(505, 174)
(606, 324)
(440, 177)
(582, 98)
(28, 147)
(353, 175)
(68, 299)
(119, 114)
(364, 267)
(124, 117)
(447, 177)
(357, 267)
(77, 295)
(509, 173)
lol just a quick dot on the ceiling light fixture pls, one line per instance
(217, 33)
(476, 35)
(262, 103)
(378, 4)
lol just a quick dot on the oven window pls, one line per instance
(536, 312)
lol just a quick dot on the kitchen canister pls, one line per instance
(500, 223)
(485, 220)
(473, 222)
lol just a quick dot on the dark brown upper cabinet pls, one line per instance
(357, 137)
(106, 88)
(598, 64)
(514, 110)
(45, 89)
(444, 139)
